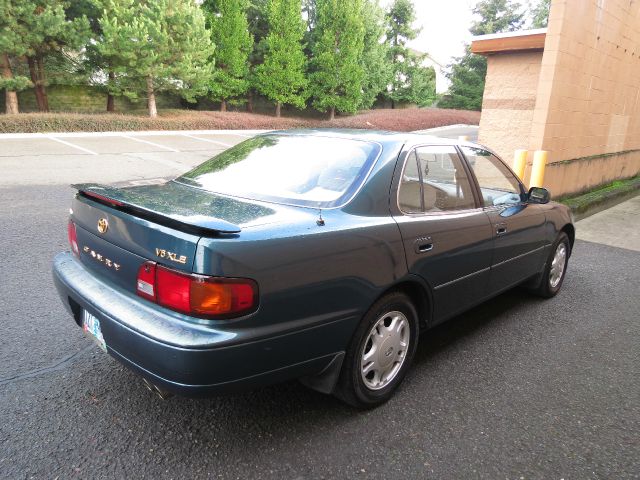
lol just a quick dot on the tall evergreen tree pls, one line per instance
(377, 70)
(405, 62)
(281, 78)
(157, 45)
(258, 19)
(230, 34)
(12, 46)
(467, 73)
(337, 75)
(38, 28)
(540, 14)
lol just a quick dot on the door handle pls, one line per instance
(423, 245)
(501, 229)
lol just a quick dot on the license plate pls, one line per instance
(91, 324)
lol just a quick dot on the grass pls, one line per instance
(383, 119)
(580, 204)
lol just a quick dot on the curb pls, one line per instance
(588, 207)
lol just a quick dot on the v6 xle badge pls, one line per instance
(161, 253)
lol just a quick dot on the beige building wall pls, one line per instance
(587, 107)
(509, 101)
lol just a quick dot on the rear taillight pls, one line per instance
(197, 295)
(73, 238)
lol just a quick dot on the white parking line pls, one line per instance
(150, 143)
(85, 150)
(208, 140)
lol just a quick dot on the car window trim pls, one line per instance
(478, 204)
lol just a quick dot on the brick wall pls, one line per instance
(587, 96)
(588, 110)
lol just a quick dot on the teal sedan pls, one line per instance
(321, 255)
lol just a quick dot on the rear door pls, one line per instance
(446, 234)
(518, 227)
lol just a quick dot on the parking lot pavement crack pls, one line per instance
(51, 368)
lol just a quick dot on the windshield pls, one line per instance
(301, 170)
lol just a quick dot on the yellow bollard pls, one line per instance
(537, 169)
(520, 162)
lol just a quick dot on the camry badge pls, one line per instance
(103, 225)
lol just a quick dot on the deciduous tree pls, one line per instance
(281, 77)
(230, 34)
(337, 74)
(157, 45)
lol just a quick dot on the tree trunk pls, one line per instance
(393, 104)
(278, 109)
(332, 113)
(250, 102)
(151, 98)
(111, 102)
(42, 78)
(36, 83)
(11, 96)
(223, 105)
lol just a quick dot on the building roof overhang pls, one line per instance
(523, 41)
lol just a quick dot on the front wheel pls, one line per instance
(556, 267)
(380, 352)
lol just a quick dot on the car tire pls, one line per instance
(380, 352)
(556, 268)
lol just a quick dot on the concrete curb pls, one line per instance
(131, 133)
(602, 202)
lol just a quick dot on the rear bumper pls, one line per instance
(188, 358)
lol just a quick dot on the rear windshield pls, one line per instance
(299, 170)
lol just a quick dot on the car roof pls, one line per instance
(379, 136)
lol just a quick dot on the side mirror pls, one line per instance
(538, 195)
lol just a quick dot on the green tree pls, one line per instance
(467, 73)
(376, 68)
(157, 45)
(36, 29)
(12, 46)
(406, 63)
(281, 78)
(337, 75)
(230, 34)
(258, 18)
(540, 14)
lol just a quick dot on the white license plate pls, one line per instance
(91, 324)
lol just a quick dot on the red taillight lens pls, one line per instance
(73, 238)
(198, 295)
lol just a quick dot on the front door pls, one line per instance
(447, 237)
(518, 227)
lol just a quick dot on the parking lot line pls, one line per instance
(150, 143)
(209, 140)
(85, 150)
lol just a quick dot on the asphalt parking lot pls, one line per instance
(519, 388)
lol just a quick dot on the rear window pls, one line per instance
(299, 170)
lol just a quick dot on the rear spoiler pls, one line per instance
(120, 200)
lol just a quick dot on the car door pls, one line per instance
(447, 236)
(518, 227)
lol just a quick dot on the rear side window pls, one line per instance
(300, 170)
(434, 180)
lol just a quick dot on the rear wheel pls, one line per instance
(380, 352)
(556, 267)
